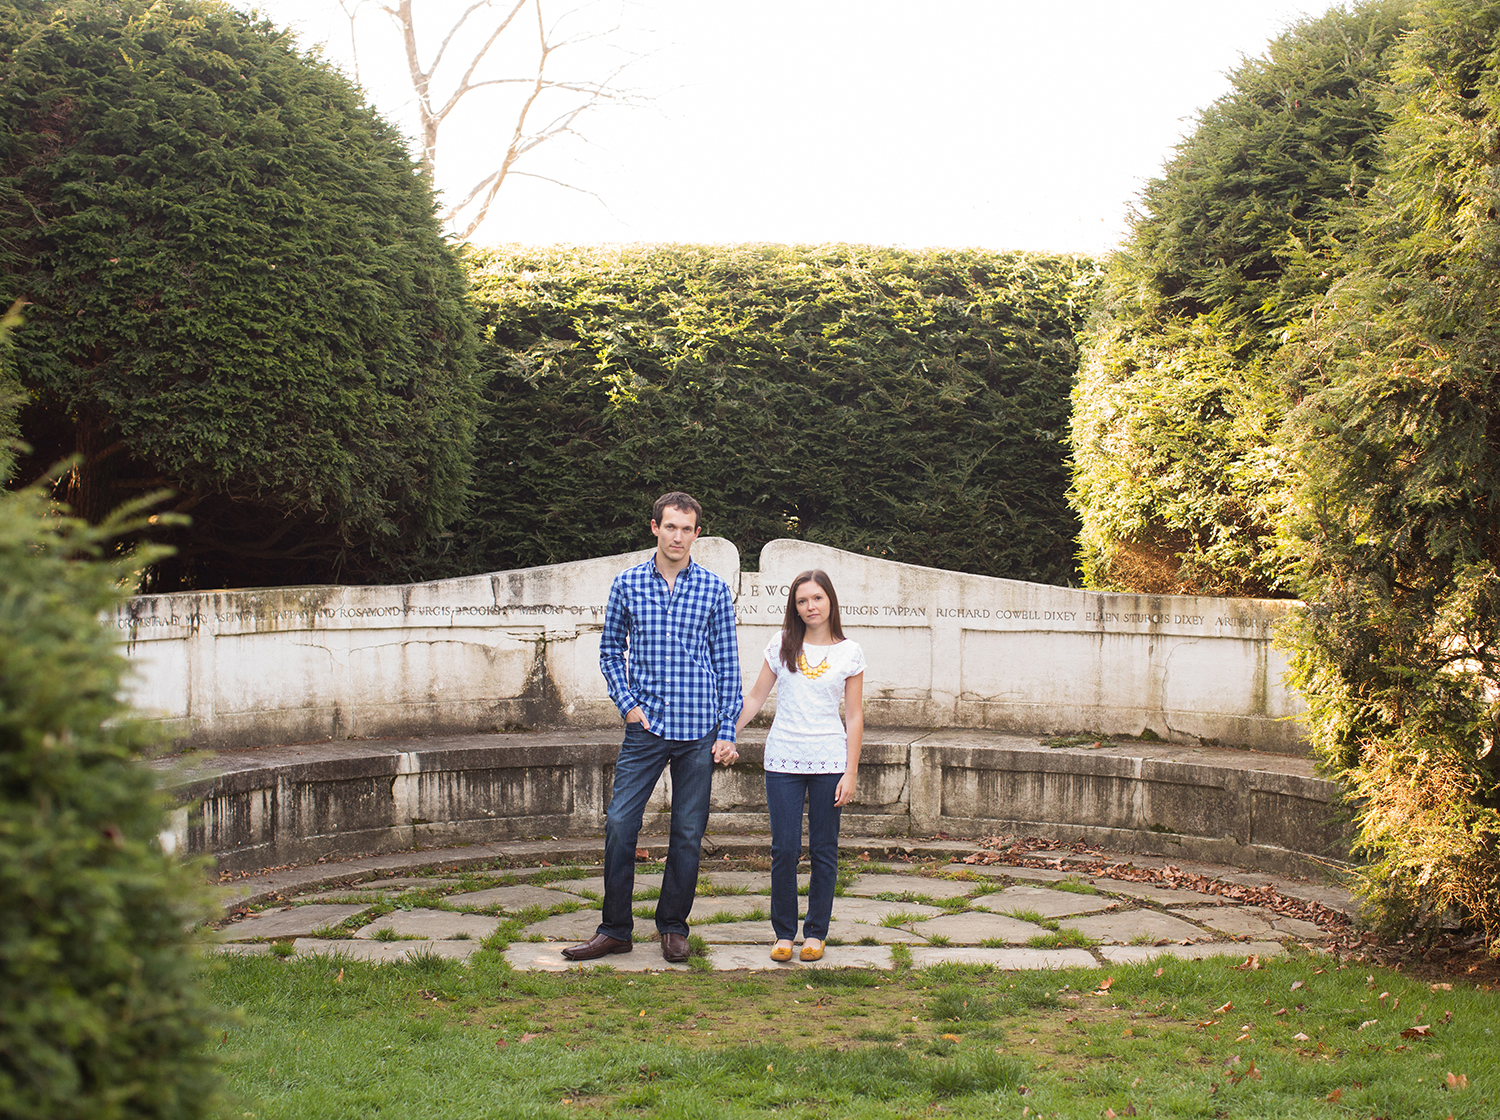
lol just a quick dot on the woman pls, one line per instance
(810, 754)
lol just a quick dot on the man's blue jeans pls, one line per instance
(785, 794)
(643, 757)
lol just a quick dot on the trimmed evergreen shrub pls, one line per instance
(1397, 522)
(237, 290)
(99, 1013)
(909, 405)
(1180, 475)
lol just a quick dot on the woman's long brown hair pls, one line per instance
(794, 630)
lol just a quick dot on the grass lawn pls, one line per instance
(1306, 1037)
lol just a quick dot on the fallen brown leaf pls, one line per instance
(529, 1035)
(1229, 1006)
(1457, 1081)
(1335, 1096)
(1421, 1031)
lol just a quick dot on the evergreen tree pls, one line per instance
(100, 1014)
(236, 288)
(1397, 523)
(1178, 473)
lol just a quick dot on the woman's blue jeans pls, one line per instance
(785, 795)
(643, 757)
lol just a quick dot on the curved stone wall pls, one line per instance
(296, 804)
(232, 669)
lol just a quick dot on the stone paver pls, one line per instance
(732, 958)
(594, 885)
(1135, 954)
(727, 904)
(867, 886)
(568, 928)
(852, 933)
(511, 899)
(972, 928)
(368, 897)
(547, 957)
(756, 882)
(1146, 892)
(874, 911)
(438, 925)
(1025, 874)
(409, 882)
(240, 949)
(730, 933)
(293, 921)
(385, 952)
(1047, 903)
(1250, 921)
(1009, 959)
(1131, 925)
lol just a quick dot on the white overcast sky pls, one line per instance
(990, 123)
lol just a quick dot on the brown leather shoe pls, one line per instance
(674, 946)
(600, 945)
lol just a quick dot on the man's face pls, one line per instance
(675, 533)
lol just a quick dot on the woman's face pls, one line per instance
(812, 603)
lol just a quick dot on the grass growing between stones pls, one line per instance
(433, 1038)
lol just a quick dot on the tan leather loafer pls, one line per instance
(782, 952)
(812, 949)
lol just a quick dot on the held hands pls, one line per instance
(724, 752)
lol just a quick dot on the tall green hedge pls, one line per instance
(100, 1014)
(237, 289)
(910, 405)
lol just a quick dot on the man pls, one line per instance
(680, 691)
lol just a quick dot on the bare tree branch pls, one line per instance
(579, 95)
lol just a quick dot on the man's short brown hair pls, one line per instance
(678, 500)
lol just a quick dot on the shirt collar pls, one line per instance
(655, 571)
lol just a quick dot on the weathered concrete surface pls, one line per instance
(510, 900)
(291, 921)
(291, 804)
(1135, 954)
(1047, 903)
(231, 669)
(435, 925)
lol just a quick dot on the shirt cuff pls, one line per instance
(626, 704)
(726, 732)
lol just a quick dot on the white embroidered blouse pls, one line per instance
(807, 736)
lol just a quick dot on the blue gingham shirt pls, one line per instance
(683, 661)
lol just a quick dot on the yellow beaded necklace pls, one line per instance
(809, 671)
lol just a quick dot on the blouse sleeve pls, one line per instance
(773, 653)
(857, 662)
